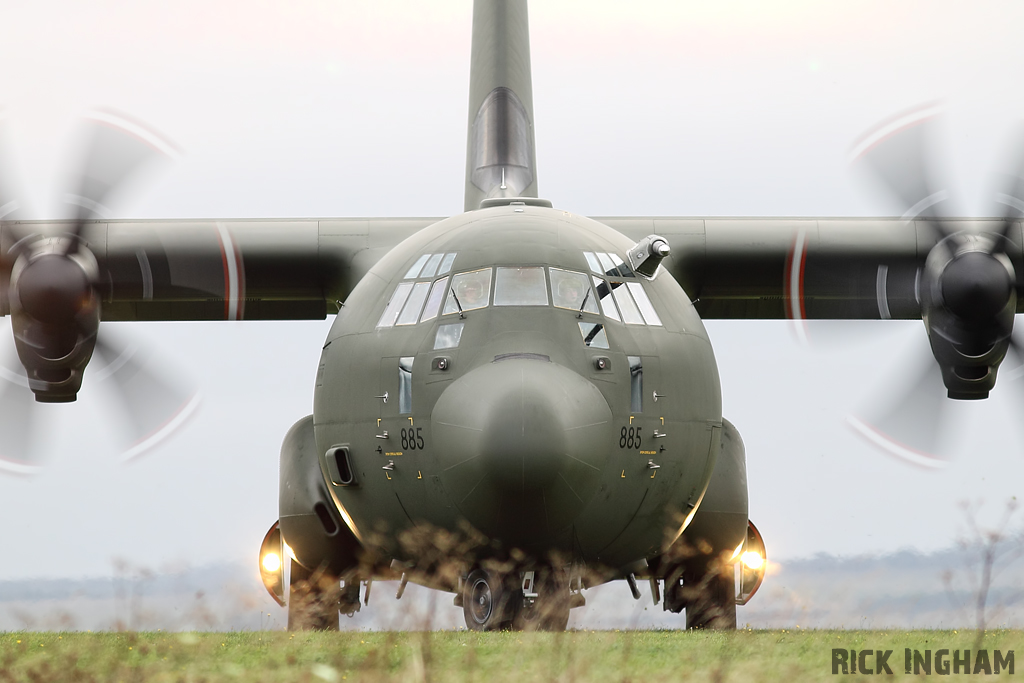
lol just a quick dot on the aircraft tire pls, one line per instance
(312, 600)
(712, 604)
(675, 595)
(488, 601)
(348, 600)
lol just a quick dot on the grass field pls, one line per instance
(647, 656)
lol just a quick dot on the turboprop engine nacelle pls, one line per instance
(968, 302)
(55, 314)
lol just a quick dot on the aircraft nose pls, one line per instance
(521, 440)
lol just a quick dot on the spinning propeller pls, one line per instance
(53, 295)
(967, 289)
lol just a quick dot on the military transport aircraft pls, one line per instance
(518, 402)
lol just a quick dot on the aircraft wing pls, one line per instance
(803, 268)
(732, 268)
(229, 269)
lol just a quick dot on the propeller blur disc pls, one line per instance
(152, 406)
(144, 407)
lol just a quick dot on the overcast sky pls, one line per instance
(338, 108)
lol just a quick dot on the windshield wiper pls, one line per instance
(585, 298)
(457, 302)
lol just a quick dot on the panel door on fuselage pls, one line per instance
(677, 452)
(659, 455)
(402, 439)
(637, 422)
(639, 433)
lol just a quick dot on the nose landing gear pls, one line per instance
(496, 601)
(488, 600)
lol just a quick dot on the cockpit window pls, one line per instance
(407, 299)
(607, 267)
(469, 291)
(644, 303)
(604, 295)
(448, 336)
(594, 335)
(571, 290)
(434, 300)
(431, 267)
(391, 311)
(520, 287)
(426, 265)
(618, 299)
(608, 264)
(630, 313)
(411, 311)
(623, 267)
(446, 264)
(414, 271)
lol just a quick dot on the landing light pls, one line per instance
(271, 562)
(752, 559)
(750, 568)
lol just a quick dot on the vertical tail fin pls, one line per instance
(500, 154)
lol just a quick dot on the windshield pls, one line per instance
(571, 290)
(520, 287)
(468, 291)
(616, 298)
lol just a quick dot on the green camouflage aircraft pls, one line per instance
(515, 403)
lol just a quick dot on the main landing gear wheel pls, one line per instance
(348, 600)
(488, 601)
(712, 603)
(312, 600)
(709, 597)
